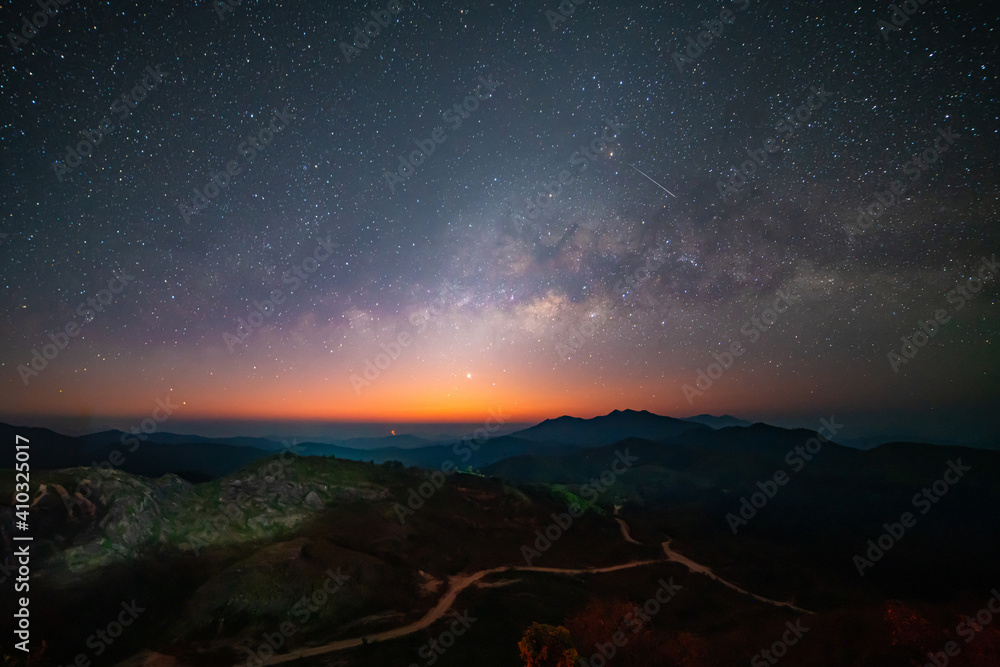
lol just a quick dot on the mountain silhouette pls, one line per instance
(718, 422)
(606, 430)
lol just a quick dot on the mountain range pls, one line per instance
(196, 457)
(220, 538)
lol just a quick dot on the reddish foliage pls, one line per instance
(597, 623)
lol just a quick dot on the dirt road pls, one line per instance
(456, 585)
(459, 582)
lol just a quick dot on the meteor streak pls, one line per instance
(657, 184)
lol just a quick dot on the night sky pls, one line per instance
(254, 154)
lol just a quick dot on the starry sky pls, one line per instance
(228, 185)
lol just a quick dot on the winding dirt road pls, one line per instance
(707, 571)
(459, 582)
(456, 585)
(625, 531)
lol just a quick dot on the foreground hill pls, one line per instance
(246, 547)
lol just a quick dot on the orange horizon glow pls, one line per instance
(423, 388)
(442, 401)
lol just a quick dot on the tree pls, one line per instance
(547, 646)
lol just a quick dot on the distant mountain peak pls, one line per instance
(725, 421)
(607, 429)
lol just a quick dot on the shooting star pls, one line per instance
(657, 184)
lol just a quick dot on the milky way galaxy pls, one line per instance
(400, 212)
